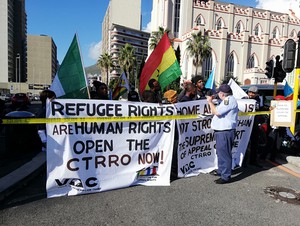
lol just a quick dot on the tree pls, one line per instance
(199, 48)
(156, 36)
(227, 78)
(127, 61)
(105, 63)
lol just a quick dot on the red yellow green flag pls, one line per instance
(162, 65)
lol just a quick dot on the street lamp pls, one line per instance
(18, 70)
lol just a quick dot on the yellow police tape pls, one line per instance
(112, 119)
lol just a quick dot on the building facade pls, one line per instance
(13, 30)
(121, 25)
(42, 62)
(121, 35)
(242, 38)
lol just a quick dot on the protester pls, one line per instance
(152, 95)
(259, 120)
(253, 94)
(224, 123)
(44, 95)
(274, 138)
(200, 85)
(101, 91)
(190, 93)
(171, 97)
(182, 93)
(133, 95)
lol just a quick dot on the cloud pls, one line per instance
(282, 6)
(148, 27)
(95, 50)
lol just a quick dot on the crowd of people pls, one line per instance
(224, 121)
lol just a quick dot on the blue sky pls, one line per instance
(61, 19)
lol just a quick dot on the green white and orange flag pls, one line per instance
(70, 81)
(162, 65)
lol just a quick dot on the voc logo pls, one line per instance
(78, 183)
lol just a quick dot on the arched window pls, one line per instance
(257, 30)
(219, 24)
(230, 66)
(207, 66)
(251, 62)
(293, 34)
(239, 27)
(275, 32)
(199, 20)
(176, 17)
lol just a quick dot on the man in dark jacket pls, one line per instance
(152, 95)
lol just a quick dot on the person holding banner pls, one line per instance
(255, 142)
(44, 95)
(182, 93)
(101, 90)
(190, 93)
(171, 97)
(274, 138)
(224, 123)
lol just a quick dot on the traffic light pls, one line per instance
(269, 68)
(279, 73)
(289, 56)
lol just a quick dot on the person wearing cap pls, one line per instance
(254, 138)
(253, 94)
(224, 123)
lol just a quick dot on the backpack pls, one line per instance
(262, 134)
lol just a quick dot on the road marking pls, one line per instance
(284, 169)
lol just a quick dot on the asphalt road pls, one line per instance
(190, 201)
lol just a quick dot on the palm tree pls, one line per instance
(105, 63)
(157, 35)
(199, 48)
(127, 60)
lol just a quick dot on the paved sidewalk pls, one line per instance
(290, 162)
(19, 173)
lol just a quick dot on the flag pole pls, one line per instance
(296, 86)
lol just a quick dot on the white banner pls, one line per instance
(88, 157)
(196, 148)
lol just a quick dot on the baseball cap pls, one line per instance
(225, 88)
(253, 89)
(279, 97)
